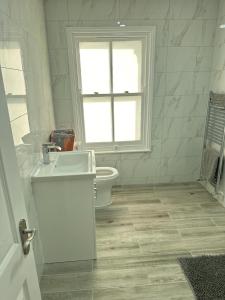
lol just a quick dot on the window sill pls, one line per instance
(123, 151)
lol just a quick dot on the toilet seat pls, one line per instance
(106, 173)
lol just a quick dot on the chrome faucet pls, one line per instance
(45, 151)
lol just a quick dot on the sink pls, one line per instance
(66, 164)
(75, 162)
(64, 193)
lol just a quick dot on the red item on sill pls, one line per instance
(65, 138)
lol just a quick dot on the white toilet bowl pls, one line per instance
(105, 176)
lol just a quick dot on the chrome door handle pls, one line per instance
(26, 236)
(31, 234)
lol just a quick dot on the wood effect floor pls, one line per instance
(139, 238)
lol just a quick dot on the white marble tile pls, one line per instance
(201, 81)
(218, 63)
(185, 106)
(63, 113)
(193, 9)
(9, 26)
(219, 33)
(134, 180)
(194, 127)
(23, 152)
(181, 166)
(181, 59)
(156, 149)
(56, 10)
(5, 6)
(168, 179)
(189, 59)
(179, 83)
(92, 10)
(31, 9)
(187, 177)
(140, 168)
(152, 180)
(109, 163)
(157, 128)
(181, 147)
(204, 59)
(162, 31)
(183, 127)
(161, 58)
(145, 9)
(159, 84)
(56, 34)
(158, 107)
(136, 156)
(16, 11)
(187, 83)
(221, 11)
(182, 178)
(191, 32)
(59, 64)
(217, 81)
(61, 86)
(105, 157)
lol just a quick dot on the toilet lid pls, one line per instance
(104, 173)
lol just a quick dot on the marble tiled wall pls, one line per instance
(218, 68)
(25, 19)
(218, 64)
(184, 48)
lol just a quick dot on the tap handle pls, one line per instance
(48, 145)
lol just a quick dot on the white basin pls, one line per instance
(73, 162)
(66, 164)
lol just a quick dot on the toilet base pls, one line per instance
(105, 177)
(103, 197)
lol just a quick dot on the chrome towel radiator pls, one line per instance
(215, 133)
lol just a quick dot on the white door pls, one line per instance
(18, 277)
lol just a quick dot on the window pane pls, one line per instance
(15, 89)
(127, 118)
(94, 61)
(127, 58)
(97, 119)
(14, 82)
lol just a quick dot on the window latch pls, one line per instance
(126, 92)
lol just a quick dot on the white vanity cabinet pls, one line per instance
(66, 213)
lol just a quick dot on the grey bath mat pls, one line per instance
(206, 274)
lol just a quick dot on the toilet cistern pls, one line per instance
(45, 151)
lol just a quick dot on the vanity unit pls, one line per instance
(64, 196)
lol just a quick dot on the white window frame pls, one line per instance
(147, 34)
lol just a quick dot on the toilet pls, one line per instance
(105, 177)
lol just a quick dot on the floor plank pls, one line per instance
(139, 238)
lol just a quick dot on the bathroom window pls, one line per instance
(112, 80)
